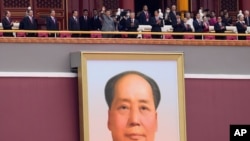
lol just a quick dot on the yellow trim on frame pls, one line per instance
(83, 83)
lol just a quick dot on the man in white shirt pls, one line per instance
(189, 20)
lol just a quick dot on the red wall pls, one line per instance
(38, 109)
(127, 4)
(46, 109)
(244, 4)
(212, 105)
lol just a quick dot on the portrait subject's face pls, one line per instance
(132, 115)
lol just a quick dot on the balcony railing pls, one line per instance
(140, 34)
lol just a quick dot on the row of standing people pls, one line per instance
(123, 22)
(27, 23)
(105, 22)
(30, 23)
(201, 26)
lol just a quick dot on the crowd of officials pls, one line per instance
(126, 20)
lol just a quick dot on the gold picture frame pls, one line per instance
(87, 64)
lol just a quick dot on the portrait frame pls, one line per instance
(84, 59)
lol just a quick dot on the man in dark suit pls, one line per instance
(144, 16)
(51, 23)
(132, 25)
(74, 24)
(241, 27)
(122, 24)
(178, 27)
(29, 23)
(166, 17)
(172, 14)
(247, 18)
(227, 20)
(220, 27)
(198, 26)
(21, 24)
(85, 24)
(156, 23)
(96, 23)
(7, 24)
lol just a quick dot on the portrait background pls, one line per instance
(165, 75)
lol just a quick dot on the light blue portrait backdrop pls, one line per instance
(165, 75)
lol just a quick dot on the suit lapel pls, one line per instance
(8, 20)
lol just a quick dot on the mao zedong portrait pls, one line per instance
(132, 98)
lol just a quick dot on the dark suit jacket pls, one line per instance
(167, 19)
(143, 20)
(187, 28)
(122, 25)
(21, 24)
(50, 24)
(218, 29)
(198, 27)
(180, 27)
(28, 24)
(85, 25)
(73, 24)
(156, 27)
(240, 27)
(7, 26)
(247, 22)
(96, 23)
(172, 17)
(227, 21)
(131, 27)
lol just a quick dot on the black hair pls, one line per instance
(123, 13)
(74, 11)
(110, 85)
(206, 10)
(28, 11)
(51, 10)
(6, 12)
